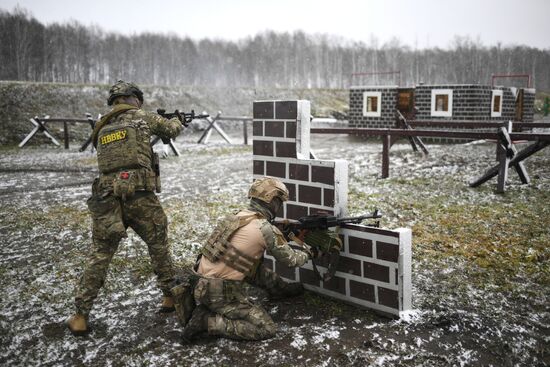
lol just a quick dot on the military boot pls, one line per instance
(184, 302)
(167, 305)
(289, 290)
(78, 324)
(197, 324)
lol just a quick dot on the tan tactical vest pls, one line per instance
(219, 248)
(124, 154)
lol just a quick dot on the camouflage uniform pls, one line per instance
(123, 197)
(233, 315)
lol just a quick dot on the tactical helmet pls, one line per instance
(122, 88)
(267, 188)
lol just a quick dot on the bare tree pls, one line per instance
(74, 53)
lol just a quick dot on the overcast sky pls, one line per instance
(415, 22)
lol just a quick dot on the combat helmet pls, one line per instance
(267, 188)
(122, 88)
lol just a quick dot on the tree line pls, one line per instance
(73, 53)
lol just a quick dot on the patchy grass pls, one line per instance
(55, 218)
(504, 239)
(480, 264)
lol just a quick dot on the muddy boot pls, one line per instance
(197, 324)
(78, 324)
(167, 305)
(289, 290)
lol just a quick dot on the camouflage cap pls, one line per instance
(267, 188)
(122, 88)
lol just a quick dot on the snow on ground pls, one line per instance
(466, 311)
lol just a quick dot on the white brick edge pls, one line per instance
(378, 111)
(449, 112)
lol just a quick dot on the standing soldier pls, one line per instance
(233, 255)
(123, 196)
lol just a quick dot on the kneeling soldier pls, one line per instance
(233, 255)
(123, 196)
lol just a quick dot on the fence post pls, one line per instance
(66, 134)
(386, 156)
(245, 132)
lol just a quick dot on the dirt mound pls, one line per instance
(20, 101)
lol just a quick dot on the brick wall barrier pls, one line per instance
(374, 270)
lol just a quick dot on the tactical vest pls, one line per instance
(218, 247)
(123, 145)
(125, 156)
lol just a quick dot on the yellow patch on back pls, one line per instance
(114, 136)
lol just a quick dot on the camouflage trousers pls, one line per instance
(237, 317)
(111, 216)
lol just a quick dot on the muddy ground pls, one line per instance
(481, 275)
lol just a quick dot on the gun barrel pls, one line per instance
(360, 218)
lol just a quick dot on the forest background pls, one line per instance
(73, 53)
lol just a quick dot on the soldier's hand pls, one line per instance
(179, 116)
(315, 252)
(302, 234)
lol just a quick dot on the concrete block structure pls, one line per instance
(281, 149)
(374, 270)
(372, 106)
(454, 102)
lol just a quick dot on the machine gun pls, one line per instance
(184, 117)
(319, 221)
(314, 234)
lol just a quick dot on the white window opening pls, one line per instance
(496, 103)
(442, 102)
(372, 104)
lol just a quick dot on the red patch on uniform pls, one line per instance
(124, 175)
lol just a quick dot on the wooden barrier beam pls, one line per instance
(505, 144)
(88, 141)
(213, 125)
(39, 126)
(520, 156)
(402, 122)
(431, 133)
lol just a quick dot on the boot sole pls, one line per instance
(79, 332)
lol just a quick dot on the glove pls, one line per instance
(180, 117)
(315, 253)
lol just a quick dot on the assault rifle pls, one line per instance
(184, 117)
(313, 234)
